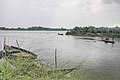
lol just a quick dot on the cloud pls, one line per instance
(111, 1)
(59, 12)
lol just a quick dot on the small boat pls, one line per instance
(60, 34)
(16, 51)
(107, 40)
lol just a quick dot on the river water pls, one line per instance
(71, 51)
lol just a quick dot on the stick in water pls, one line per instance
(55, 59)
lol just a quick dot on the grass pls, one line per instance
(18, 68)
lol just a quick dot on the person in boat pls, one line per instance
(112, 38)
(60, 34)
(106, 38)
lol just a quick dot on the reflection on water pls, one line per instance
(70, 51)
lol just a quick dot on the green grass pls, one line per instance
(18, 68)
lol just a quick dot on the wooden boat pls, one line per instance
(107, 40)
(16, 51)
(60, 34)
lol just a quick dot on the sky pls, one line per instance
(59, 13)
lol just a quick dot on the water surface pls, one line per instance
(71, 51)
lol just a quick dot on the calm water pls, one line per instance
(71, 52)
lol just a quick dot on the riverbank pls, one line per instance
(95, 32)
(19, 68)
(27, 68)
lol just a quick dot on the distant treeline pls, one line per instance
(95, 31)
(34, 28)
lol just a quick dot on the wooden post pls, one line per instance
(55, 59)
(17, 44)
(55, 64)
(4, 44)
(4, 47)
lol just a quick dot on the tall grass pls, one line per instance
(18, 68)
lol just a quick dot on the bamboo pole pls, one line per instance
(55, 59)
(56, 64)
(17, 44)
(4, 43)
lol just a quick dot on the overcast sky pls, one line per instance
(59, 13)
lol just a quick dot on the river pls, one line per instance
(71, 51)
